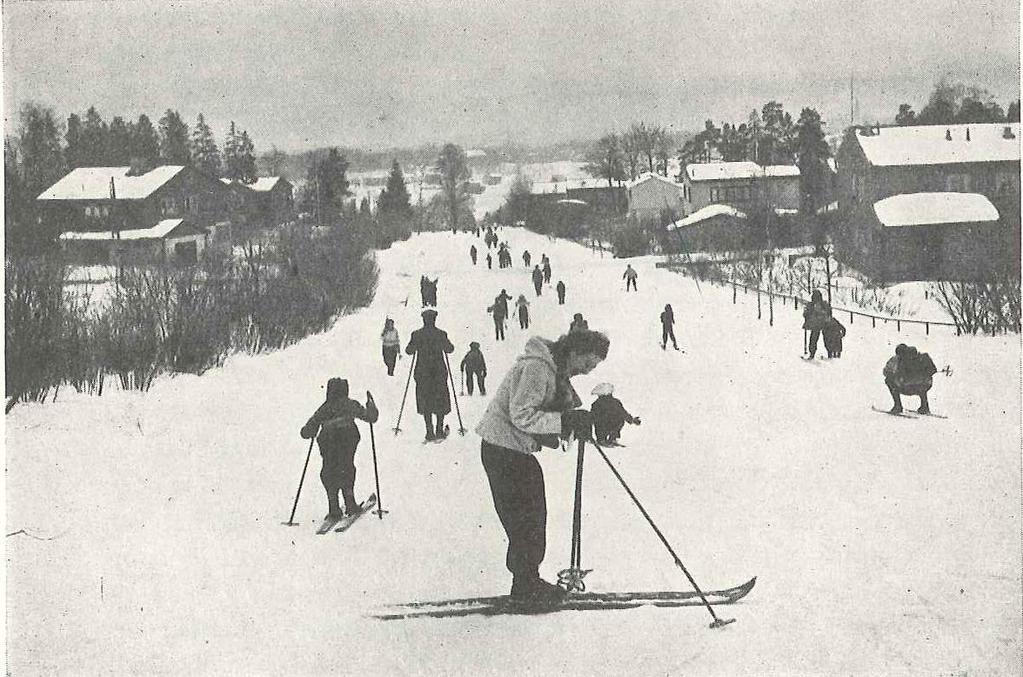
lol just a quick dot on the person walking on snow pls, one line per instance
(833, 333)
(609, 415)
(547, 271)
(472, 254)
(473, 364)
(391, 345)
(537, 279)
(630, 277)
(534, 406)
(816, 314)
(523, 307)
(561, 292)
(428, 344)
(668, 327)
(333, 426)
(499, 310)
(578, 324)
(525, 258)
(490, 261)
(909, 373)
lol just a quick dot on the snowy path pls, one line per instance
(882, 545)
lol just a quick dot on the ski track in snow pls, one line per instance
(881, 545)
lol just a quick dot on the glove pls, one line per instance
(578, 423)
(549, 441)
(635, 419)
(308, 432)
(369, 398)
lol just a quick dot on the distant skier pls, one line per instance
(424, 290)
(668, 327)
(578, 324)
(534, 405)
(547, 271)
(523, 309)
(499, 310)
(816, 314)
(490, 261)
(472, 254)
(391, 345)
(503, 298)
(630, 277)
(560, 288)
(473, 365)
(833, 334)
(609, 415)
(428, 344)
(525, 258)
(910, 372)
(537, 280)
(333, 426)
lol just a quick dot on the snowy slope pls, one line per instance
(882, 545)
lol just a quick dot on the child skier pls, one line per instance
(833, 333)
(609, 415)
(473, 364)
(333, 426)
(523, 307)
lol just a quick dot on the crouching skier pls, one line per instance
(333, 426)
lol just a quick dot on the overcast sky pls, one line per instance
(382, 74)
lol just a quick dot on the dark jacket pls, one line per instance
(537, 276)
(911, 371)
(816, 314)
(833, 333)
(667, 318)
(560, 287)
(609, 413)
(334, 420)
(473, 362)
(578, 326)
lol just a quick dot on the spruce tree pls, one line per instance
(231, 169)
(174, 143)
(394, 199)
(145, 145)
(94, 139)
(118, 143)
(73, 153)
(814, 173)
(454, 172)
(205, 154)
(246, 159)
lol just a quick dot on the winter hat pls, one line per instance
(337, 388)
(901, 349)
(577, 316)
(429, 312)
(603, 389)
(474, 345)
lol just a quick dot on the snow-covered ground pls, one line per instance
(881, 545)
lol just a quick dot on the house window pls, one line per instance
(957, 183)
(106, 210)
(715, 194)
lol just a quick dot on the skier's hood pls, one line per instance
(538, 348)
(337, 388)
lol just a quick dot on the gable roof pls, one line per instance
(93, 183)
(265, 183)
(159, 231)
(921, 209)
(649, 176)
(928, 145)
(708, 212)
(722, 171)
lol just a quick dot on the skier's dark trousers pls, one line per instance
(429, 344)
(816, 315)
(560, 288)
(338, 438)
(668, 327)
(533, 406)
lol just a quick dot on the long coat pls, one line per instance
(431, 373)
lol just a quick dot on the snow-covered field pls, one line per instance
(881, 545)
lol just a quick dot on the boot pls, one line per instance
(430, 435)
(333, 506)
(535, 590)
(925, 408)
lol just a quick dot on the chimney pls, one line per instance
(1007, 133)
(948, 134)
(967, 133)
(113, 192)
(136, 166)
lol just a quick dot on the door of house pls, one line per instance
(186, 252)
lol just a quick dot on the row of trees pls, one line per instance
(622, 157)
(956, 103)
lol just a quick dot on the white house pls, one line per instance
(740, 184)
(651, 194)
(175, 240)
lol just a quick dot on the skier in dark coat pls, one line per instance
(503, 298)
(424, 290)
(472, 254)
(561, 292)
(429, 344)
(833, 334)
(668, 327)
(630, 277)
(523, 308)
(537, 279)
(534, 406)
(609, 415)
(816, 314)
(333, 426)
(525, 258)
(473, 364)
(547, 271)
(490, 261)
(431, 289)
(500, 314)
(910, 372)
(578, 324)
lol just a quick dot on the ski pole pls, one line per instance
(412, 364)
(461, 381)
(451, 377)
(805, 348)
(376, 473)
(571, 579)
(717, 623)
(291, 520)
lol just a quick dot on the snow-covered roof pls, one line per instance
(160, 230)
(544, 188)
(723, 171)
(708, 212)
(649, 176)
(264, 183)
(93, 183)
(919, 209)
(928, 145)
